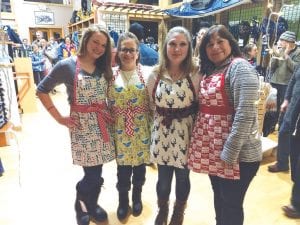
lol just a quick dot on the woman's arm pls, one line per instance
(243, 84)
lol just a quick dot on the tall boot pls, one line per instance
(123, 208)
(162, 216)
(137, 205)
(94, 210)
(82, 216)
(178, 213)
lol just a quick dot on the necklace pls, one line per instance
(128, 75)
(176, 76)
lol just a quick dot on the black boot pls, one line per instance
(82, 216)
(137, 205)
(178, 213)
(94, 210)
(162, 216)
(123, 208)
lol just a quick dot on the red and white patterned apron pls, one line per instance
(91, 143)
(211, 130)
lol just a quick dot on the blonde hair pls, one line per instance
(187, 65)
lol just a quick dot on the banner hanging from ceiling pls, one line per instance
(201, 8)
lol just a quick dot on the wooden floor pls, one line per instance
(38, 184)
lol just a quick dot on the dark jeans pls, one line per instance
(283, 148)
(165, 176)
(138, 174)
(229, 195)
(281, 89)
(38, 76)
(91, 180)
(295, 169)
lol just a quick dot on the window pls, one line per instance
(5, 6)
(292, 15)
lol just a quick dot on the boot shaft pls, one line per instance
(163, 212)
(136, 194)
(178, 213)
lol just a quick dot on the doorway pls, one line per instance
(57, 33)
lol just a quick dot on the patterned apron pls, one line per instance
(130, 106)
(173, 121)
(211, 130)
(91, 142)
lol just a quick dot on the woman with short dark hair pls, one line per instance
(224, 141)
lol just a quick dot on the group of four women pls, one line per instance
(177, 116)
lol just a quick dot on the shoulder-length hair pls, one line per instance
(187, 65)
(103, 63)
(123, 37)
(205, 64)
(247, 49)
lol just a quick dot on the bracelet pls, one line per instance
(50, 107)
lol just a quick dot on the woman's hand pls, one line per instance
(227, 165)
(69, 122)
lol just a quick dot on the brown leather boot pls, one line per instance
(178, 213)
(162, 216)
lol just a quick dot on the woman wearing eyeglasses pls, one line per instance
(129, 102)
(172, 88)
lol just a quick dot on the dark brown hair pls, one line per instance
(205, 64)
(103, 63)
(123, 37)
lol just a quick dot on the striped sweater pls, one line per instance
(242, 84)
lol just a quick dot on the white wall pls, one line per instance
(24, 12)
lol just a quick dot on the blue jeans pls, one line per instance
(281, 89)
(229, 195)
(125, 173)
(165, 176)
(295, 169)
(283, 148)
(284, 137)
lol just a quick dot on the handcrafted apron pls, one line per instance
(91, 142)
(176, 108)
(211, 130)
(130, 106)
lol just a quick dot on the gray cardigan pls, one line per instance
(243, 143)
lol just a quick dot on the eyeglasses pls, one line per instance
(129, 50)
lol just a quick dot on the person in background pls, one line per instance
(53, 50)
(283, 64)
(113, 53)
(86, 78)
(66, 49)
(224, 141)
(151, 43)
(173, 88)
(39, 35)
(148, 56)
(129, 101)
(26, 48)
(250, 53)
(289, 139)
(46, 57)
(38, 64)
(199, 37)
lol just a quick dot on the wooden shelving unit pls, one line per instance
(79, 26)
